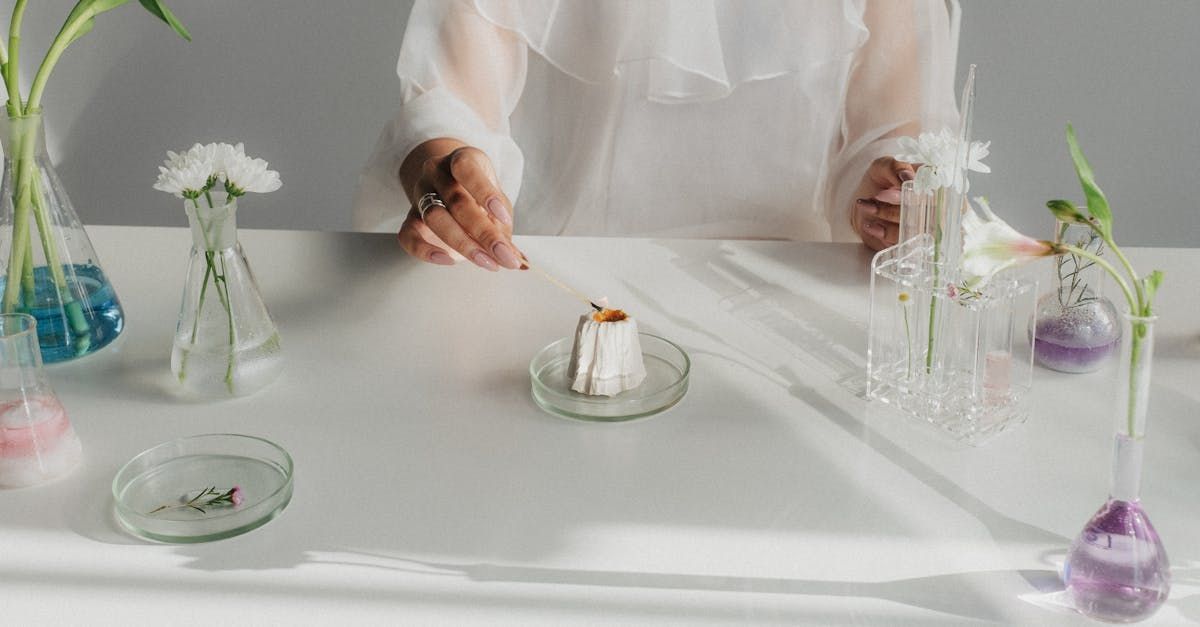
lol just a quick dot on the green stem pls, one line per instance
(1137, 328)
(28, 281)
(1108, 267)
(908, 344)
(229, 317)
(937, 255)
(1141, 296)
(1135, 355)
(74, 311)
(12, 68)
(64, 38)
(23, 145)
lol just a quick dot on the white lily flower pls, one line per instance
(244, 174)
(990, 245)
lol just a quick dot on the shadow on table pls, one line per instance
(966, 595)
(822, 336)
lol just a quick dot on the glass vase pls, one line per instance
(226, 343)
(1117, 569)
(1076, 327)
(37, 442)
(51, 270)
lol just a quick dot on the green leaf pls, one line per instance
(161, 11)
(1150, 285)
(1097, 204)
(1066, 211)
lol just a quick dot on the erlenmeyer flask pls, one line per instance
(226, 343)
(37, 442)
(49, 268)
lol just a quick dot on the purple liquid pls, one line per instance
(1117, 569)
(1077, 338)
(1071, 358)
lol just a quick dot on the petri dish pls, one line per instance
(153, 490)
(667, 370)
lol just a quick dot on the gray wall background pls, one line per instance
(307, 86)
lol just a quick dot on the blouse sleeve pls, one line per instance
(901, 83)
(461, 77)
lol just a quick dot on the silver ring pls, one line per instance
(427, 202)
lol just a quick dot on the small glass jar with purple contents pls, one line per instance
(1076, 328)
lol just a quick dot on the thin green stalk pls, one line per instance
(1141, 296)
(937, 253)
(73, 309)
(1135, 355)
(28, 282)
(12, 68)
(212, 260)
(61, 41)
(1108, 267)
(229, 317)
(22, 175)
(1137, 328)
(908, 344)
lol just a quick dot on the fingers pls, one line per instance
(413, 240)
(886, 172)
(466, 223)
(880, 231)
(877, 208)
(441, 223)
(471, 168)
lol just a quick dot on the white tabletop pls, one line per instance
(430, 489)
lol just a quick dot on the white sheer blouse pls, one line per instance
(672, 118)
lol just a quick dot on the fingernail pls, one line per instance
(874, 230)
(497, 208)
(440, 258)
(483, 261)
(905, 175)
(506, 256)
(890, 196)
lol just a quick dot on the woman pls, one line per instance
(667, 118)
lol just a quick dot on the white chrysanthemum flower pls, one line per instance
(244, 174)
(225, 154)
(186, 176)
(990, 245)
(937, 153)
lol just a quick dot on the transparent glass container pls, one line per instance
(226, 343)
(50, 269)
(956, 359)
(37, 442)
(1076, 327)
(1117, 569)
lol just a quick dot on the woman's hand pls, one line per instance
(477, 219)
(875, 214)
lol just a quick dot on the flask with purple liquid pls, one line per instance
(1076, 328)
(1117, 569)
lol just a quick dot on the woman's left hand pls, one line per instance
(875, 213)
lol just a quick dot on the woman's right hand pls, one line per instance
(477, 219)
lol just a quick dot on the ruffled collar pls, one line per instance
(695, 50)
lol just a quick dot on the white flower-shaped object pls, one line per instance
(186, 175)
(990, 245)
(225, 154)
(937, 153)
(244, 174)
